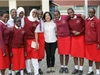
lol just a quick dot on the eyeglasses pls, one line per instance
(35, 12)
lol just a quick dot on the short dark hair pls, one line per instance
(12, 10)
(45, 15)
(57, 11)
(3, 12)
(70, 9)
(16, 19)
(93, 10)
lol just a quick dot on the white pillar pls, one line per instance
(12, 4)
(86, 8)
(45, 5)
(98, 13)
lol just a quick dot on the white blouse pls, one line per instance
(50, 32)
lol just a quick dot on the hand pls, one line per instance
(11, 55)
(37, 47)
(98, 47)
(4, 54)
(25, 54)
(74, 31)
(83, 16)
(77, 33)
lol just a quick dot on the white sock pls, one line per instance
(0, 73)
(97, 71)
(35, 65)
(9, 71)
(13, 72)
(90, 69)
(62, 66)
(81, 68)
(21, 72)
(66, 66)
(76, 67)
(28, 67)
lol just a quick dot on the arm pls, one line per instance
(25, 44)
(98, 34)
(2, 45)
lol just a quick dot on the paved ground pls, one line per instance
(57, 66)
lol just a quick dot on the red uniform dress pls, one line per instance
(40, 31)
(30, 31)
(4, 36)
(77, 42)
(18, 38)
(63, 35)
(92, 38)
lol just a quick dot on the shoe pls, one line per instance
(61, 70)
(18, 73)
(75, 71)
(91, 73)
(48, 70)
(66, 70)
(29, 74)
(52, 69)
(40, 71)
(10, 74)
(80, 72)
(25, 71)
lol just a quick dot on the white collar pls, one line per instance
(74, 17)
(90, 18)
(60, 18)
(17, 27)
(2, 22)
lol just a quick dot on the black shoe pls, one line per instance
(29, 74)
(75, 71)
(66, 70)
(18, 73)
(40, 71)
(62, 69)
(91, 73)
(25, 71)
(10, 74)
(80, 72)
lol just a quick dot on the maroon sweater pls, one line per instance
(92, 33)
(30, 28)
(62, 26)
(77, 24)
(4, 36)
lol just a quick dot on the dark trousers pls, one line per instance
(50, 53)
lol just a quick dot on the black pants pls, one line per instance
(50, 53)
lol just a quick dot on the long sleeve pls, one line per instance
(2, 45)
(98, 32)
(83, 26)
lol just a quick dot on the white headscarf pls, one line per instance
(31, 18)
(19, 10)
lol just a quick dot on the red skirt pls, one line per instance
(18, 59)
(78, 46)
(92, 53)
(4, 61)
(64, 45)
(41, 45)
(31, 53)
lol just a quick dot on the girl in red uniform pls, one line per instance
(92, 38)
(31, 23)
(4, 36)
(77, 28)
(40, 38)
(63, 40)
(21, 14)
(18, 50)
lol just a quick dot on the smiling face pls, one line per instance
(5, 17)
(21, 14)
(70, 13)
(34, 13)
(13, 13)
(47, 17)
(18, 22)
(40, 14)
(91, 13)
(56, 15)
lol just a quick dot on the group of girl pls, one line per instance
(23, 40)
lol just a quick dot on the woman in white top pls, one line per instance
(50, 41)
